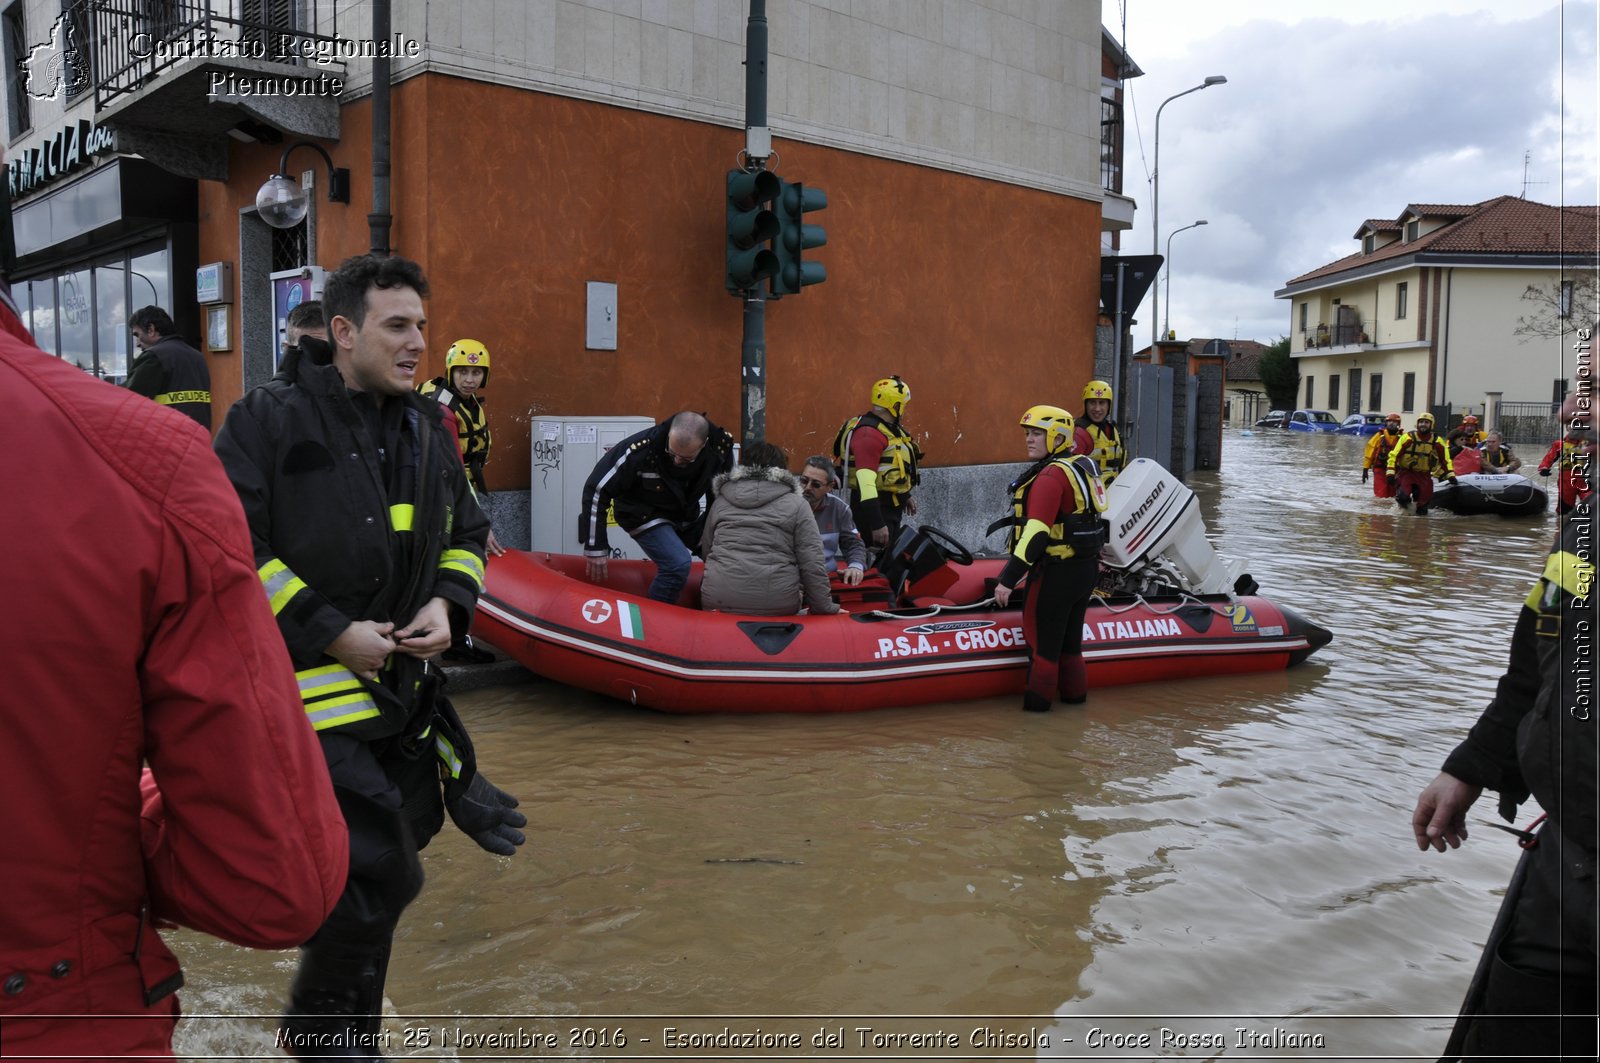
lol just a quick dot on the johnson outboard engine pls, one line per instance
(1158, 539)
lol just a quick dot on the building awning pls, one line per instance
(121, 196)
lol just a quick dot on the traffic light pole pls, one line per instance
(753, 347)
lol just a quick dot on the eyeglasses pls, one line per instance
(819, 484)
(682, 459)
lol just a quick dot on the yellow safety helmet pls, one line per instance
(1424, 418)
(1096, 389)
(467, 354)
(892, 394)
(1056, 423)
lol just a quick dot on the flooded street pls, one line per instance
(1173, 854)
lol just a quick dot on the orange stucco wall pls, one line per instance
(982, 295)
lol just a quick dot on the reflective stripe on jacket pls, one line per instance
(349, 528)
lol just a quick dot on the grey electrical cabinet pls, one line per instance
(565, 451)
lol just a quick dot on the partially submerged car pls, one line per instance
(1312, 421)
(1273, 419)
(1362, 424)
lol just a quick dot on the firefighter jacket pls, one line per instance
(1538, 736)
(1416, 455)
(1057, 507)
(878, 463)
(148, 651)
(174, 374)
(347, 527)
(638, 486)
(472, 425)
(1103, 442)
(1378, 448)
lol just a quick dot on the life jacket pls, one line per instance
(1107, 452)
(1378, 450)
(472, 425)
(1414, 455)
(1081, 533)
(897, 468)
(1505, 458)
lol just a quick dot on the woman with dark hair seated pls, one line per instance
(762, 548)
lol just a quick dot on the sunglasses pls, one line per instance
(807, 481)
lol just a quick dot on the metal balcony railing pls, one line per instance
(133, 41)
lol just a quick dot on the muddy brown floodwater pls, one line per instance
(1213, 868)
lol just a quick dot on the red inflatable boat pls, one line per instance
(949, 642)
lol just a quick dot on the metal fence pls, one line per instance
(1529, 423)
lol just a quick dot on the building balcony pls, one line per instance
(176, 79)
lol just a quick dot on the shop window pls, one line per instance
(18, 120)
(111, 318)
(75, 312)
(42, 293)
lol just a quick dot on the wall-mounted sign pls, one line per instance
(213, 283)
(52, 158)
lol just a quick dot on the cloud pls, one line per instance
(1326, 122)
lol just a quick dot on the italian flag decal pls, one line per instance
(632, 623)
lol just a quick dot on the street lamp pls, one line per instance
(1165, 331)
(1155, 193)
(281, 201)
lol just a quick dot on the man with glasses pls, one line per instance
(834, 522)
(656, 485)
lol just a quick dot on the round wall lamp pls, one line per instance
(282, 203)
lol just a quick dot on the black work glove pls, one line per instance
(1389, 481)
(1544, 472)
(1364, 474)
(488, 815)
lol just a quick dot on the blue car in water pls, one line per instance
(1311, 421)
(1361, 424)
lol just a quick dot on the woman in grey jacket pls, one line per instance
(762, 548)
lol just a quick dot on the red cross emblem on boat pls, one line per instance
(596, 611)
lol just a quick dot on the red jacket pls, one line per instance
(138, 634)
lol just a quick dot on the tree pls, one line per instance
(1561, 306)
(1280, 376)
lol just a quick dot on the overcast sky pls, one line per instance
(1336, 111)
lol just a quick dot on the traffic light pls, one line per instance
(751, 225)
(795, 238)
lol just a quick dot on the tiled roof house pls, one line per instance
(1430, 311)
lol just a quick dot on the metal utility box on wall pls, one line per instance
(565, 450)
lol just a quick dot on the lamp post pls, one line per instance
(1155, 193)
(1167, 265)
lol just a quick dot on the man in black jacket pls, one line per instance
(168, 370)
(370, 545)
(656, 485)
(1533, 995)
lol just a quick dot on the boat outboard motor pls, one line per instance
(1158, 537)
